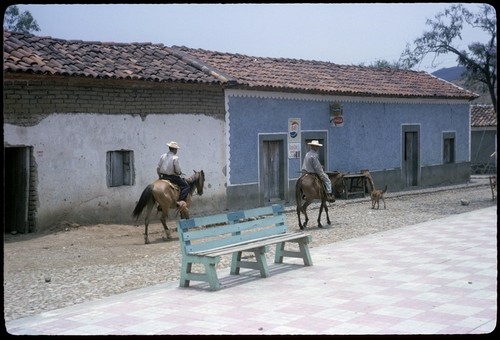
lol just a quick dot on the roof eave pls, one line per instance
(246, 86)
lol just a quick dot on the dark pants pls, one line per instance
(181, 182)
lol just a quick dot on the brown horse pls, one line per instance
(166, 195)
(310, 187)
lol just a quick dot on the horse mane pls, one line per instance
(191, 180)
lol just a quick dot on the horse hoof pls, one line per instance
(320, 226)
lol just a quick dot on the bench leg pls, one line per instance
(260, 256)
(211, 272)
(303, 253)
(260, 262)
(209, 275)
(306, 255)
(278, 256)
(185, 270)
(235, 268)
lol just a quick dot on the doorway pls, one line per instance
(321, 137)
(17, 180)
(272, 170)
(411, 155)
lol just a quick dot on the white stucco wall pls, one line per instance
(70, 155)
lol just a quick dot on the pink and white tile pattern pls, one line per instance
(438, 277)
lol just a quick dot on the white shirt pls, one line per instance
(311, 162)
(169, 164)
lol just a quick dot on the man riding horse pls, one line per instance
(312, 164)
(169, 168)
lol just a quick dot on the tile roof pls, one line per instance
(156, 62)
(309, 75)
(483, 116)
(140, 61)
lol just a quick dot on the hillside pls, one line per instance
(450, 74)
(453, 75)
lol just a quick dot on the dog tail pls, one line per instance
(385, 189)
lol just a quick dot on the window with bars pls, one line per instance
(120, 168)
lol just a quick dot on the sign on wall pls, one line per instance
(336, 115)
(294, 138)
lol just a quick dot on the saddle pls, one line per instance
(172, 185)
(316, 178)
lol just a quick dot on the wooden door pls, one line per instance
(272, 177)
(411, 158)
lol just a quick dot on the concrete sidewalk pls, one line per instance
(437, 277)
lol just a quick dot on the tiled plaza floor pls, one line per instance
(437, 277)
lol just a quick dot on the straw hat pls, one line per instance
(314, 143)
(173, 145)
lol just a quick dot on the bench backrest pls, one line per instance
(210, 232)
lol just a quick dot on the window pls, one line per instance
(120, 167)
(448, 147)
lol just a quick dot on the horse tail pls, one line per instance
(146, 196)
(298, 191)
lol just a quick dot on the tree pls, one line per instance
(382, 63)
(480, 60)
(19, 22)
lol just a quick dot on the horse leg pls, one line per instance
(163, 220)
(319, 215)
(323, 206)
(304, 210)
(327, 216)
(298, 216)
(146, 221)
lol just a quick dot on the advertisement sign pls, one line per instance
(293, 150)
(294, 138)
(336, 115)
(294, 130)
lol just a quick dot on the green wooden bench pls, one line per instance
(205, 239)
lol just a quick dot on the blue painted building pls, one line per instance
(400, 141)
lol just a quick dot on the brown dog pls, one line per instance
(378, 195)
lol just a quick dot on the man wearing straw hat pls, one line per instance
(312, 164)
(169, 168)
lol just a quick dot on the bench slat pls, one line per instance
(232, 239)
(230, 217)
(203, 221)
(252, 244)
(232, 228)
(256, 212)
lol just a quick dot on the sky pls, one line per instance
(346, 34)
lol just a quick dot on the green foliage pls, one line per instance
(382, 63)
(19, 22)
(479, 59)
